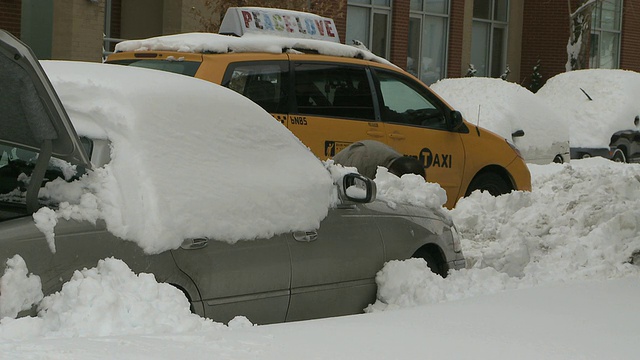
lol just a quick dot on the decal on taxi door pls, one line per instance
(429, 159)
(333, 147)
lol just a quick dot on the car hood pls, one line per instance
(30, 111)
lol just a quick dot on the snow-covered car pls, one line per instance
(156, 169)
(512, 112)
(602, 111)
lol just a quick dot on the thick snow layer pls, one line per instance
(613, 105)
(505, 107)
(188, 159)
(220, 44)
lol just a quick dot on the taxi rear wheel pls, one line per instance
(491, 182)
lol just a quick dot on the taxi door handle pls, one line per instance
(397, 136)
(375, 133)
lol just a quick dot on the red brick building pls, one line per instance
(430, 38)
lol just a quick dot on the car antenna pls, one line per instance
(587, 95)
(478, 123)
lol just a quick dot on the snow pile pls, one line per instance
(581, 222)
(106, 300)
(408, 189)
(613, 105)
(189, 159)
(111, 299)
(505, 107)
(18, 289)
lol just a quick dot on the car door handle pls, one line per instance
(305, 236)
(375, 133)
(397, 136)
(194, 244)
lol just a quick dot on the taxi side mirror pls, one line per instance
(357, 188)
(455, 120)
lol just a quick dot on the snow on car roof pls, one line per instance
(613, 107)
(189, 159)
(251, 42)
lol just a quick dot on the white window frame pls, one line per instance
(422, 15)
(495, 24)
(374, 9)
(596, 29)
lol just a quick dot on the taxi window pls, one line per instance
(404, 102)
(265, 83)
(333, 90)
(188, 68)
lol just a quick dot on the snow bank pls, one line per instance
(581, 222)
(106, 300)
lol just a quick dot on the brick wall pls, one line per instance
(399, 32)
(630, 42)
(456, 27)
(338, 12)
(546, 33)
(10, 14)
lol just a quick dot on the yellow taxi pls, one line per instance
(331, 95)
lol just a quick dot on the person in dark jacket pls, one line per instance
(367, 155)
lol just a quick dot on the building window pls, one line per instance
(489, 37)
(369, 21)
(428, 32)
(606, 25)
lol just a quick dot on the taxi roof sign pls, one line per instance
(288, 23)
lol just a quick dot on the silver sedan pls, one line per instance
(301, 273)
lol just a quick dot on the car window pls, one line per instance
(333, 90)
(265, 83)
(406, 103)
(188, 68)
(16, 166)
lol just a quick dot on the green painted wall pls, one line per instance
(37, 26)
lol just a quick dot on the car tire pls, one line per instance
(585, 156)
(618, 156)
(434, 265)
(558, 159)
(491, 182)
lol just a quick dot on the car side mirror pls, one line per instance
(455, 120)
(357, 188)
(518, 133)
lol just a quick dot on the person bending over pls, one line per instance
(367, 155)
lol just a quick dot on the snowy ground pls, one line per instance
(548, 277)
